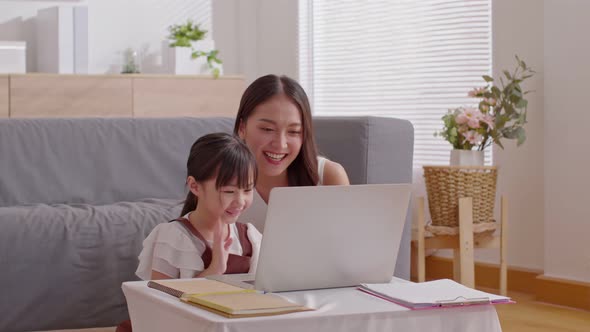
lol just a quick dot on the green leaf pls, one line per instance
(507, 74)
(488, 78)
(184, 34)
(521, 119)
(516, 92)
(497, 93)
(520, 136)
(500, 122)
(509, 109)
(509, 133)
(523, 103)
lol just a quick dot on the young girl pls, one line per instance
(206, 240)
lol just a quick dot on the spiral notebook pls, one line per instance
(432, 294)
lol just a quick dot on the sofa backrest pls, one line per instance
(103, 161)
(96, 161)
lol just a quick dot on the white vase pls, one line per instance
(181, 62)
(466, 158)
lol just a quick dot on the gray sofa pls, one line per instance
(78, 196)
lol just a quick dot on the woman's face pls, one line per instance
(274, 134)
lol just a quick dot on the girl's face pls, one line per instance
(274, 134)
(227, 202)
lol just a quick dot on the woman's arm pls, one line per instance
(334, 174)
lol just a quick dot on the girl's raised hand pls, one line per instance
(220, 250)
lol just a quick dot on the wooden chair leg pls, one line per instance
(503, 246)
(466, 242)
(421, 244)
(457, 265)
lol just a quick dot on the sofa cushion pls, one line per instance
(70, 261)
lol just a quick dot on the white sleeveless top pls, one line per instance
(256, 213)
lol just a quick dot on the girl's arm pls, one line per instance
(334, 174)
(159, 275)
(210, 271)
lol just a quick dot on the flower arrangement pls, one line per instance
(501, 113)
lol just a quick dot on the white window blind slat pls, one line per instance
(407, 59)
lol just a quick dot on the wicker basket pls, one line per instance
(446, 184)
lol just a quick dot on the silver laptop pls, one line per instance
(329, 236)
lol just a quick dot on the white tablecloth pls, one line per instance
(341, 309)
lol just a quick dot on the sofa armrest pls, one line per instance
(372, 150)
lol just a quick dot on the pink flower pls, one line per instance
(473, 123)
(468, 115)
(476, 92)
(489, 120)
(473, 137)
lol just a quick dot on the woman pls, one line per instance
(274, 119)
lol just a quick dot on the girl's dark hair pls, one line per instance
(220, 155)
(303, 171)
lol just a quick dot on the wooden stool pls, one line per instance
(463, 244)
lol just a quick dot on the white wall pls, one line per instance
(257, 37)
(520, 175)
(567, 158)
(113, 26)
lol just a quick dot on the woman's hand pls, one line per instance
(220, 252)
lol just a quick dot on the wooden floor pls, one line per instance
(526, 315)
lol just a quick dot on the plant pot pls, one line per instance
(446, 184)
(466, 158)
(180, 61)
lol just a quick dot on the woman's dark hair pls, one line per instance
(220, 155)
(303, 171)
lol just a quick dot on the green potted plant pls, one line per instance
(190, 43)
(131, 62)
(500, 113)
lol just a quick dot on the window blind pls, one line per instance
(407, 59)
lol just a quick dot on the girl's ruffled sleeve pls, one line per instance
(171, 250)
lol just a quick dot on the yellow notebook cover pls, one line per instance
(244, 304)
(183, 288)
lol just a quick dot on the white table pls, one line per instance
(340, 309)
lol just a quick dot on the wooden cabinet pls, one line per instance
(54, 95)
(4, 99)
